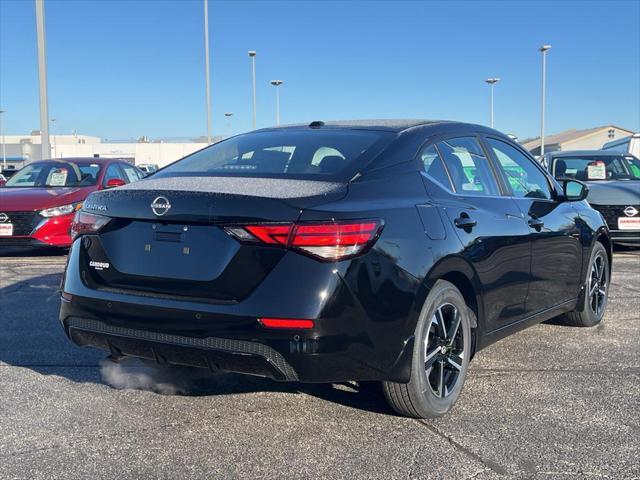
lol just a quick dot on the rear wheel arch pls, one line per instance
(601, 235)
(595, 289)
(605, 240)
(462, 275)
(440, 359)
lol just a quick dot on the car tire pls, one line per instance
(591, 311)
(440, 358)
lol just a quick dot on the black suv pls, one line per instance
(382, 250)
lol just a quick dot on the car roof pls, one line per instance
(595, 153)
(83, 160)
(393, 125)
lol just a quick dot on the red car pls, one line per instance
(38, 203)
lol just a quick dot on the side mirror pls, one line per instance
(2, 182)
(115, 182)
(574, 190)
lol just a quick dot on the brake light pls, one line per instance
(324, 240)
(295, 323)
(86, 223)
(273, 234)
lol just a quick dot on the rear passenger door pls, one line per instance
(489, 225)
(556, 251)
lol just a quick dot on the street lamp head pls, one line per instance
(252, 53)
(544, 48)
(276, 83)
(492, 80)
(228, 114)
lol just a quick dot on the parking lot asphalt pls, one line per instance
(550, 402)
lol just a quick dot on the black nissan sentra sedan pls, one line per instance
(383, 250)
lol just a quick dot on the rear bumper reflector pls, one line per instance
(286, 323)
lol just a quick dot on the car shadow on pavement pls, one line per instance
(33, 339)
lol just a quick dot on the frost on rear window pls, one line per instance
(309, 154)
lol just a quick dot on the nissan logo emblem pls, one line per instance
(629, 212)
(3, 217)
(160, 206)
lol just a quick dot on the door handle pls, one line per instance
(464, 222)
(536, 223)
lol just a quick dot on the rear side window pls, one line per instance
(434, 166)
(113, 171)
(468, 166)
(131, 172)
(334, 154)
(524, 177)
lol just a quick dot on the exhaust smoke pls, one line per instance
(130, 373)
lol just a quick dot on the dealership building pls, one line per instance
(589, 139)
(22, 149)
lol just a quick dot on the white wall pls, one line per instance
(69, 146)
(159, 153)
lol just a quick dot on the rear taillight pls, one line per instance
(87, 223)
(272, 234)
(325, 240)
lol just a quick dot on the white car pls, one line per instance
(148, 168)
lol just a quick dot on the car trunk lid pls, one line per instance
(167, 235)
(215, 199)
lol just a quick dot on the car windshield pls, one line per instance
(327, 154)
(594, 168)
(55, 174)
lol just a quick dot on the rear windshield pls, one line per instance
(55, 174)
(325, 154)
(593, 168)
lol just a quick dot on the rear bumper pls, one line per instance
(208, 352)
(308, 357)
(345, 344)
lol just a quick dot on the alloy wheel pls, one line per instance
(444, 351)
(597, 285)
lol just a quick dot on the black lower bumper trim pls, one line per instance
(225, 354)
(620, 236)
(23, 242)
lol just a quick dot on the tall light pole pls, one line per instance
(4, 151)
(206, 69)
(543, 49)
(492, 82)
(42, 77)
(277, 83)
(252, 54)
(228, 115)
(53, 134)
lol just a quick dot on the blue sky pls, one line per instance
(122, 69)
